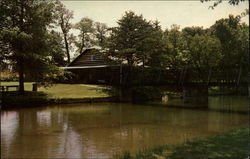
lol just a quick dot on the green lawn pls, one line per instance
(230, 145)
(66, 90)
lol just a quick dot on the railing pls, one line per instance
(6, 87)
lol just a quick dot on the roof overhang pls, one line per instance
(84, 67)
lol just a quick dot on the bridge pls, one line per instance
(192, 82)
(191, 76)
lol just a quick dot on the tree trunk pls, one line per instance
(20, 60)
(239, 75)
(21, 78)
(83, 45)
(67, 47)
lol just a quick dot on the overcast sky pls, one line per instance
(183, 13)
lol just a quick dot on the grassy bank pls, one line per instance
(230, 145)
(57, 93)
(66, 90)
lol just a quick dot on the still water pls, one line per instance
(102, 130)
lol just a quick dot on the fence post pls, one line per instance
(34, 87)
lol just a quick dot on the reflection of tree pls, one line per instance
(131, 128)
(8, 128)
(37, 134)
(218, 122)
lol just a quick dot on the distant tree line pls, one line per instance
(223, 46)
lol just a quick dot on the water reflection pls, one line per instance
(102, 130)
(9, 123)
(70, 144)
(229, 103)
(44, 118)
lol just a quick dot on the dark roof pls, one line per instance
(90, 58)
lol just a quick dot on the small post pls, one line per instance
(34, 87)
(239, 75)
(209, 76)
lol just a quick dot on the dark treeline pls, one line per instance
(222, 47)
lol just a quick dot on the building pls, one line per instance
(91, 66)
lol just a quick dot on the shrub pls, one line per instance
(9, 79)
(146, 93)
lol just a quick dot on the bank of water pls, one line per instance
(103, 130)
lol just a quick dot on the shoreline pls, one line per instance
(228, 145)
(8, 104)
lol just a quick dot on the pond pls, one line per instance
(103, 130)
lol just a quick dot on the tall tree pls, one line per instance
(176, 47)
(226, 31)
(56, 50)
(63, 19)
(86, 35)
(234, 38)
(133, 40)
(101, 31)
(24, 31)
(154, 50)
(204, 54)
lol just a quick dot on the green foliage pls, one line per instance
(8, 79)
(204, 51)
(135, 40)
(176, 45)
(101, 31)
(24, 32)
(56, 50)
(234, 39)
(222, 47)
(64, 77)
(86, 36)
(217, 2)
(146, 93)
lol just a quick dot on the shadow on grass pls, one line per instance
(230, 145)
(14, 99)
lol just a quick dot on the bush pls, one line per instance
(9, 79)
(146, 93)
(64, 77)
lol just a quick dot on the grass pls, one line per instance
(66, 90)
(230, 145)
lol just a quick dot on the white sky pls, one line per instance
(183, 13)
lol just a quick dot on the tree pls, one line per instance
(134, 40)
(192, 31)
(125, 38)
(24, 33)
(101, 31)
(217, 2)
(234, 38)
(204, 53)
(155, 51)
(86, 35)
(63, 20)
(56, 50)
(226, 30)
(176, 48)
